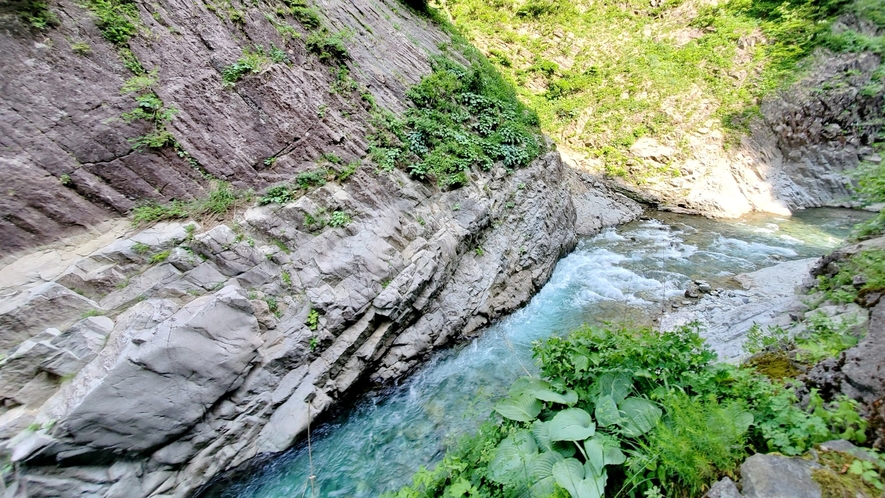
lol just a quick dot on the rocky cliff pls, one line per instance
(798, 151)
(142, 363)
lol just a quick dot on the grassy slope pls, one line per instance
(602, 74)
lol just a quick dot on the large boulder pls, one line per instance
(168, 376)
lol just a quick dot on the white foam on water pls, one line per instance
(744, 248)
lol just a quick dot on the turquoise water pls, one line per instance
(621, 275)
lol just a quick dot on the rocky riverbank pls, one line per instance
(163, 357)
(784, 298)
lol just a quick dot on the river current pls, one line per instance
(622, 275)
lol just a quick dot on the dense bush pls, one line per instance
(631, 412)
(463, 116)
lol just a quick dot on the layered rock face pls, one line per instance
(66, 151)
(225, 346)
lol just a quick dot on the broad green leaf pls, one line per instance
(607, 411)
(582, 363)
(742, 418)
(542, 465)
(569, 474)
(527, 384)
(615, 385)
(638, 416)
(459, 488)
(595, 457)
(571, 424)
(513, 457)
(541, 431)
(523, 408)
(592, 487)
(569, 398)
(604, 449)
(613, 453)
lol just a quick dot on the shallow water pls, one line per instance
(622, 275)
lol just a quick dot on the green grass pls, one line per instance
(603, 74)
(219, 201)
(462, 117)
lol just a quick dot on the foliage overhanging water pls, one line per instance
(622, 275)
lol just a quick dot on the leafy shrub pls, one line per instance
(326, 45)
(313, 178)
(280, 194)
(630, 411)
(117, 19)
(463, 117)
(37, 14)
(252, 61)
(309, 17)
(339, 219)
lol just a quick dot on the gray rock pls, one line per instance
(723, 488)
(33, 310)
(775, 476)
(844, 446)
(169, 369)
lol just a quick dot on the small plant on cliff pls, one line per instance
(116, 19)
(252, 61)
(81, 48)
(36, 14)
(308, 16)
(326, 45)
(313, 319)
(220, 200)
(339, 219)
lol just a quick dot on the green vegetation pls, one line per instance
(843, 474)
(313, 319)
(603, 74)
(308, 180)
(81, 48)
(116, 19)
(339, 219)
(141, 248)
(149, 108)
(631, 412)
(219, 201)
(857, 276)
(36, 14)
(252, 62)
(308, 16)
(463, 116)
(327, 45)
(160, 257)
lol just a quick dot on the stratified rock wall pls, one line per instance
(65, 150)
(225, 347)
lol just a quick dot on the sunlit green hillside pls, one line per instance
(602, 74)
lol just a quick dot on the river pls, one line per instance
(622, 275)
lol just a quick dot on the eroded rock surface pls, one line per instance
(224, 348)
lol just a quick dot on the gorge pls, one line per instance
(299, 231)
